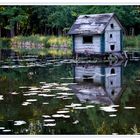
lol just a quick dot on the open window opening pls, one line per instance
(87, 40)
(112, 92)
(112, 47)
(112, 71)
(112, 26)
(110, 35)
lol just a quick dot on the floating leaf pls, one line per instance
(50, 124)
(66, 116)
(63, 88)
(6, 130)
(19, 122)
(65, 94)
(112, 115)
(31, 100)
(108, 109)
(129, 107)
(58, 115)
(80, 107)
(45, 103)
(34, 88)
(76, 122)
(14, 93)
(46, 116)
(26, 103)
(73, 105)
(63, 111)
(49, 120)
(1, 97)
(1, 128)
(90, 106)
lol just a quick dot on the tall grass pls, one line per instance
(5, 43)
(132, 43)
(47, 41)
(55, 46)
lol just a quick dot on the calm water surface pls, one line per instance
(59, 97)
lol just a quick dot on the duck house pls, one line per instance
(97, 34)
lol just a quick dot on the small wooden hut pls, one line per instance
(97, 34)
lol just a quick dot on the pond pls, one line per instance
(51, 96)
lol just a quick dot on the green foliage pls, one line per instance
(54, 20)
(132, 43)
(4, 43)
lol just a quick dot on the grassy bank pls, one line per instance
(39, 45)
(53, 45)
(42, 52)
(132, 43)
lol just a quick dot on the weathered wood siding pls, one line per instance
(87, 48)
(115, 40)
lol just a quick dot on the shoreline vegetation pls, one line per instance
(55, 46)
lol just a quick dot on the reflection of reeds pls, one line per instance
(135, 130)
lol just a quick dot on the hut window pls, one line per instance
(112, 47)
(112, 92)
(87, 40)
(112, 71)
(112, 26)
(110, 35)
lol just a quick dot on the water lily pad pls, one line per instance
(26, 103)
(23, 87)
(63, 88)
(57, 115)
(49, 120)
(114, 105)
(73, 105)
(90, 106)
(14, 93)
(30, 94)
(50, 124)
(34, 88)
(1, 97)
(6, 130)
(67, 98)
(80, 107)
(17, 123)
(112, 115)
(1, 128)
(76, 122)
(108, 109)
(63, 111)
(69, 78)
(45, 103)
(46, 95)
(66, 116)
(64, 84)
(129, 107)
(42, 82)
(31, 100)
(46, 116)
(65, 93)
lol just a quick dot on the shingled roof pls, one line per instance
(91, 24)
